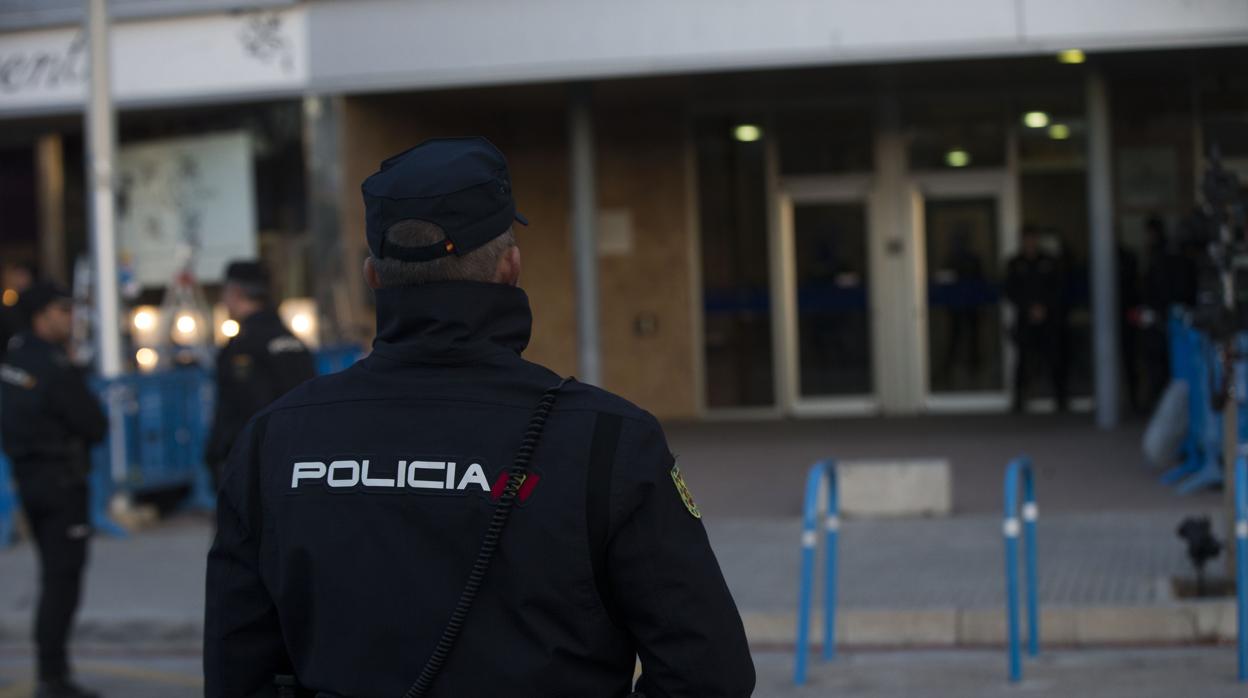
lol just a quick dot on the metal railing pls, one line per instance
(1023, 519)
(1241, 559)
(159, 424)
(822, 472)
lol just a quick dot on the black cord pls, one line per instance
(489, 543)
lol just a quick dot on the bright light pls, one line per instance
(146, 358)
(10, 297)
(185, 324)
(1059, 132)
(301, 323)
(747, 133)
(1035, 119)
(957, 158)
(144, 320)
(229, 328)
(1071, 56)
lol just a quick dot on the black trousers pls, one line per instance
(1040, 345)
(55, 501)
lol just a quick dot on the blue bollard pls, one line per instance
(1241, 561)
(1020, 467)
(820, 472)
(8, 503)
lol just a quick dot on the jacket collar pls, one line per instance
(261, 318)
(456, 322)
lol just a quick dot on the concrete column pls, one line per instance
(334, 273)
(1104, 258)
(50, 192)
(101, 142)
(584, 236)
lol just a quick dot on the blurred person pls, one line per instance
(1034, 285)
(48, 421)
(1170, 279)
(15, 278)
(1128, 332)
(964, 315)
(354, 507)
(258, 365)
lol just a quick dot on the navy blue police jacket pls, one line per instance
(352, 508)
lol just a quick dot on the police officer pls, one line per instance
(48, 418)
(1034, 286)
(356, 511)
(258, 365)
(14, 280)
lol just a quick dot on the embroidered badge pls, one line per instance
(685, 495)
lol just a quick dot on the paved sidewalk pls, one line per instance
(758, 468)
(903, 582)
(1137, 673)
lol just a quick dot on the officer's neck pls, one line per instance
(48, 335)
(451, 322)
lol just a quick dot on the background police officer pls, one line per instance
(1034, 286)
(48, 418)
(258, 365)
(353, 508)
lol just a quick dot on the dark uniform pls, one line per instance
(353, 508)
(48, 419)
(262, 363)
(1037, 281)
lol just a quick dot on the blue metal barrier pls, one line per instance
(1020, 467)
(823, 471)
(8, 502)
(1241, 560)
(164, 423)
(337, 358)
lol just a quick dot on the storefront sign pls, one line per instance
(182, 196)
(165, 60)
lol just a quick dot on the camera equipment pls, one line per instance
(1202, 546)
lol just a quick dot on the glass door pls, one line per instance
(829, 347)
(963, 232)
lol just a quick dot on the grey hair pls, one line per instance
(475, 265)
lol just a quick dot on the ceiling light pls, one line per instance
(185, 324)
(146, 358)
(957, 158)
(144, 320)
(747, 133)
(1071, 56)
(1059, 132)
(1035, 119)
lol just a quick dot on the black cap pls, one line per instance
(247, 273)
(40, 295)
(459, 184)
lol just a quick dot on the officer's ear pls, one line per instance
(508, 269)
(370, 274)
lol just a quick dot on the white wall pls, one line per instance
(206, 57)
(394, 44)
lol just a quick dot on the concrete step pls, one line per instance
(1184, 622)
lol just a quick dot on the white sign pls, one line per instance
(185, 194)
(159, 60)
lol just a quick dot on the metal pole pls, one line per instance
(101, 137)
(1241, 562)
(584, 235)
(1104, 255)
(806, 584)
(1010, 529)
(832, 525)
(1030, 514)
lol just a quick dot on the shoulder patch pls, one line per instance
(685, 495)
(17, 377)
